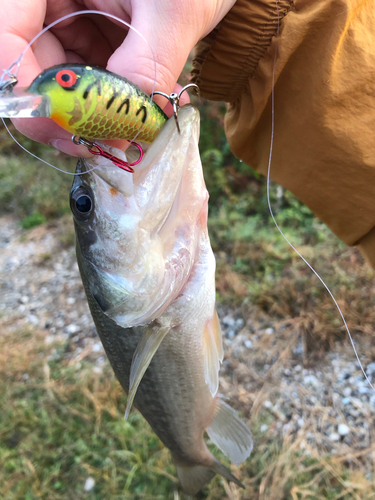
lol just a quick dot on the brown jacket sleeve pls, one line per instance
(324, 145)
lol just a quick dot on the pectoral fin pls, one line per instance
(230, 433)
(147, 347)
(213, 353)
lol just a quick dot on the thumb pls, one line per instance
(154, 56)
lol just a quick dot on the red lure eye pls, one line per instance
(66, 78)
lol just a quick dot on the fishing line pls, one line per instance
(272, 214)
(17, 63)
(46, 162)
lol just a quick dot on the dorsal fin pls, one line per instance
(212, 352)
(147, 347)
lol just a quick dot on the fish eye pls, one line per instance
(66, 78)
(81, 203)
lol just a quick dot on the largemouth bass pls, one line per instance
(149, 274)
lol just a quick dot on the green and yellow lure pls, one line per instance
(94, 103)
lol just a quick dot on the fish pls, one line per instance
(148, 271)
(87, 101)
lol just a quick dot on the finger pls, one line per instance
(46, 131)
(91, 41)
(157, 63)
(19, 22)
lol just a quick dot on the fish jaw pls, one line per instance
(139, 243)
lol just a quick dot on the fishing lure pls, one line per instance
(88, 101)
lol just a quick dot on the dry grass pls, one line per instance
(61, 424)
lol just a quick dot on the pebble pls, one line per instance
(370, 368)
(334, 436)
(31, 318)
(228, 320)
(343, 429)
(318, 398)
(231, 334)
(100, 360)
(89, 484)
(312, 380)
(363, 390)
(72, 328)
(60, 323)
(239, 323)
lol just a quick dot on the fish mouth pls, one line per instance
(148, 225)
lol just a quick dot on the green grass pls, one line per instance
(63, 423)
(34, 219)
(30, 189)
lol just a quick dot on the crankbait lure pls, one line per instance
(87, 101)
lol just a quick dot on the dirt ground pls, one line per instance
(324, 405)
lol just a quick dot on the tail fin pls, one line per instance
(193, 478)
(232, 436)
(223, 471)
(230, 433)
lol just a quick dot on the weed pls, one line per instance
(60, 426)
(34, 219)
(28, 186)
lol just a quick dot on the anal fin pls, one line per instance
(147, 347)
(230, 434)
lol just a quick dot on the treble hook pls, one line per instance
(95, 149)
(174, 99)
(7, 85)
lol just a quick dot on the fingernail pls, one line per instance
(69, 148)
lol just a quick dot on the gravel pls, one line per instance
(328, 405)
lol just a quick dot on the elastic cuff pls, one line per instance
(366, 246)
(226, 59)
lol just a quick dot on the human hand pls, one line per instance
(171, 28)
